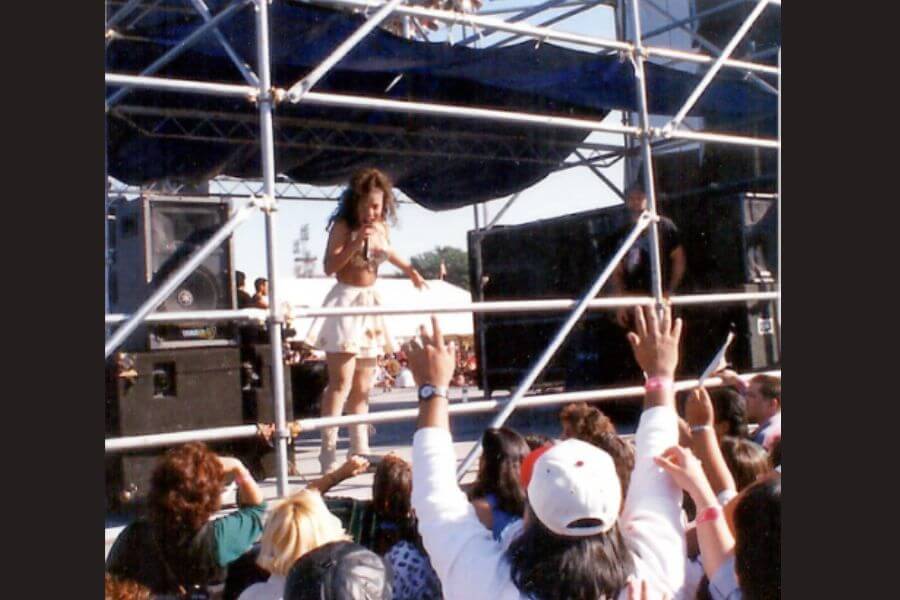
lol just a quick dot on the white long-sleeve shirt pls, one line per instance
(472, 565)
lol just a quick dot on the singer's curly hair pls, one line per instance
(363, 182)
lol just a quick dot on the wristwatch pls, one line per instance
(428, 391)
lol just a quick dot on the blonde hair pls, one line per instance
(297, 525)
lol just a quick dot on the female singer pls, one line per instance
(358, 243)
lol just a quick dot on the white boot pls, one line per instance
(328, 454)
(359, 439)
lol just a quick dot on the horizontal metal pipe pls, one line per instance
(512, 306)
(369, 103)
(544, 33)
(244, 314)
(242, 431)
(181, 85)
(723, 138)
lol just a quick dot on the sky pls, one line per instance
(419, 230)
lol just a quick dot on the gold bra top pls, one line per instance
(378, 250)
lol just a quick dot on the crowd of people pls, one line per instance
(688, 508)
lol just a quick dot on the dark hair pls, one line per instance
(589, 424)
(757, 551)
(361, 183)
(635, 188)
(259, 283)
(503, 451)
(240, 278)
(729, 407)
(391, 502)
(339, 571)
(547, 566)
(536, 440)
(745, 459)
(769, 386)
(775, 454)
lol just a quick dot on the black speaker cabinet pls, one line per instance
(730, 242)
(258, 407)
(162, 392)
(153, 236)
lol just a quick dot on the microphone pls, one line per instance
(365, 251)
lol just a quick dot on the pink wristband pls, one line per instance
(709, 514)
(658, 383)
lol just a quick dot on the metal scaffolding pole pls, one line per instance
(492, 307)
(778, 303)
(122, 13)
(267, 148)
(716, 66)
(248, 74)
(137, 442)
(181, 85)
(182, 46)
(299, 89)
(544, 33)
(596, 171)
(558, 339)
(649, 189)
(175, 279)
(503, 210)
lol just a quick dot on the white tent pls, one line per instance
(310, 292)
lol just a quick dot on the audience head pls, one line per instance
(763, 397)
(635, 200)
(503, 451)
(589, 424)
(339, 571)
(757, 522)
(240, 278)
(115, 588)
(745, 459)
(571, 546)
(536, 440)
(297, 525)
(185, 488)
(730, 412)
(261, 285)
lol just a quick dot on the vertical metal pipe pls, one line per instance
(778, 304)
(475, 212)
(558, 339)
(267, 148)
(646, 151)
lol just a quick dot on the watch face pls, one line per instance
(426, 391)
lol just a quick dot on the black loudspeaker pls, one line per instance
(730, 242)
(153, 237)
(257, 455)
(162, 392)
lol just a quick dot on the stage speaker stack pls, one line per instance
(731, 244)
(257, 407)
(161, 392)
(152, 237)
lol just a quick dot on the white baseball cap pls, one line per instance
(574, 489)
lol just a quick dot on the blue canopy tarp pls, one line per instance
(440, 162)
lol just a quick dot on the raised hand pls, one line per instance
(655, 341)
(433, 361)
(699, 409)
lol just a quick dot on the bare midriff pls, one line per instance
(357, 276)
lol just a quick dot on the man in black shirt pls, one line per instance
(244, 299)
(632, 275)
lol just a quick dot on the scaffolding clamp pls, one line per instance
(266, 203)
(295, 428)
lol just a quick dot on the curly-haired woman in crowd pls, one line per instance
(358, 243)
(497, 494)
(177, 548)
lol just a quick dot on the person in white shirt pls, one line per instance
(574, 543)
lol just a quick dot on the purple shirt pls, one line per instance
(768, 432)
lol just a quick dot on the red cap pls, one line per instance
(528, 463)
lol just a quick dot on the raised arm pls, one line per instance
(652, 514)
(353, 466)
(705, 445)
(458, 545)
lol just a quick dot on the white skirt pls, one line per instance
(366, 336)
